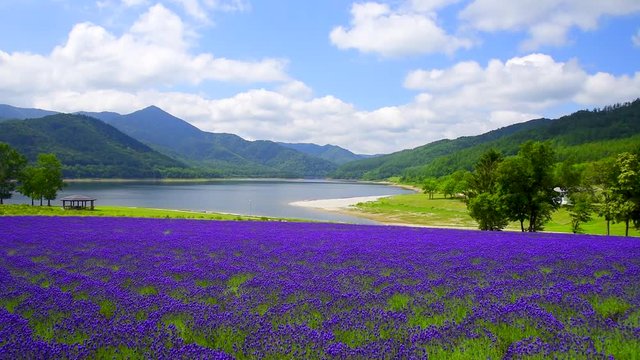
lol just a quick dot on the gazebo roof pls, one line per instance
(77, 198)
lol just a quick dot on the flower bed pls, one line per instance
(146, 288)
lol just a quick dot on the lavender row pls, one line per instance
(148, 288)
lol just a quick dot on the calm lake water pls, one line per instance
(248, 197)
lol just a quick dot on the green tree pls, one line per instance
(489, 211)
(447, 186)
(601, 177)
(513, 179)
(526, 182)
(580, 210)
(627, 190)
(11, 165)
(52, 180)
(485, 173)
(571, 180)
(486, 206)
(569, 176)
(29, 179)
(42, 180)
(454, 184)
(430, 186)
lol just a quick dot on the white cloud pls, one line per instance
(194, 9)
(605, 89)
(153, 62)
(532, 81)
(201, 9)
(428, 5)
(464, 99)
(296, 89)
(635, 39)
(130, 3)
(155, 52)
(228, 5)
(546, 21)
(376, 28)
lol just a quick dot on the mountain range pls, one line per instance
(87, 147)
(583, 136)
(153, 143)
(196, 153)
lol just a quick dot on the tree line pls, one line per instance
(39, 181)
(529, 186)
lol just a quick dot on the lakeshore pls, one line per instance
(341, 204)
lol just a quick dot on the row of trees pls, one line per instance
(39, 181)
(528, 187)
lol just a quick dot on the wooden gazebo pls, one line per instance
(77, 202)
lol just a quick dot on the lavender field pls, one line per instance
(114, 288)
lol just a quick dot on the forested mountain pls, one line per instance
(227, 154)
(333, 153)
(87, 147)
(90, 148)
(12, 112)
(584, 135)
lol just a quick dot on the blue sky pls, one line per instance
(374, 77)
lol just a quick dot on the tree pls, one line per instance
(601, 177)
(526, 183)
(11, 164)
(489, 211)
(454, 184)
(486, 206)
(580, 210)
(570, 179)
(513, 180)
(28, 183)
(430, 186)
(448, 186)
(627, 190)
(484, 176)
(42, 180)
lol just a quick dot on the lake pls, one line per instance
(268, 197)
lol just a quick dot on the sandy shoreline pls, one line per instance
(336, 204)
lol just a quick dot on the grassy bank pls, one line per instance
(407, 209)
(418, 209)
(122, 211)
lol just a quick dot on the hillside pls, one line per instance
(8, 112)
(333, 153)
(228, 154)
(87, 147)
(584, 135)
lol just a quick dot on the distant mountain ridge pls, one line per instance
(87, 147)
(175, 148)
(333, 153)
(229, 154)
(583, 135)
(8, 112)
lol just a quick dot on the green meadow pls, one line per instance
(123, 211)
(418, 209)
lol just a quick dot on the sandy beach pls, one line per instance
(336, 204)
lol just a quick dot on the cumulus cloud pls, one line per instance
(407, 30)
(605, 89)
(155, 52)
(153, 63)
(532, 80)
(547, 22)
(465, 99)
(474, 99)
